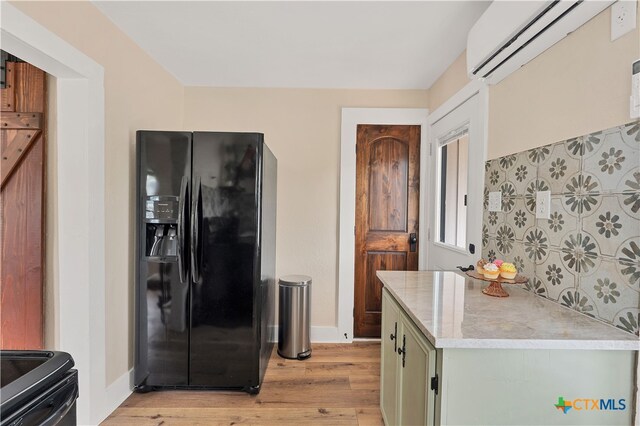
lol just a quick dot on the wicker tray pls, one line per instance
(495, 288)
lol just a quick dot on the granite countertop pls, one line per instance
(452, 312)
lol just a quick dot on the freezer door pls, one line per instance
(162, 283)
(224, 339)
(268, 202)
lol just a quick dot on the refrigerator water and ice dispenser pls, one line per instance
(161, 217)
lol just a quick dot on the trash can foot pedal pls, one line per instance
(300, 356)
(304, 355)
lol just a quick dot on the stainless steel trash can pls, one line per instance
(295, 320)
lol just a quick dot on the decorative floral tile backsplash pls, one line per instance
(587, 255)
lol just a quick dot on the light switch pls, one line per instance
(495, 201)
(543, 204)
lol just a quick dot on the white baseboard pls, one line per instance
(319, 334)
(116, 393)
(326, 335)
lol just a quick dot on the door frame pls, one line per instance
(473, 88)
(351, 117)
(80, 214)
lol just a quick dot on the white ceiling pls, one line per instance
(332, 44)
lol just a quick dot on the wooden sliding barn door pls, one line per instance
(387, 198)
(22, 146)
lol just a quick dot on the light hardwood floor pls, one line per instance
(338, 385)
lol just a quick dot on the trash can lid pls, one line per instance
(295, 280)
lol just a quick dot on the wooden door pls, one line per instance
(22, 146)
(387, 195)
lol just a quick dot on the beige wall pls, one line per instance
(302, 128)
(138, 94)
(580, 85)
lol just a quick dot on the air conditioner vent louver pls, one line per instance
(510, 34)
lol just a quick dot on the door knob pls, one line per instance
(413, 242)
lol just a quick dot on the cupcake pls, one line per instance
(491, 271)
(498, 262)
(480, 266)
(508, 271)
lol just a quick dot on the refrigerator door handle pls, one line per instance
(183, 214)
(195, 231)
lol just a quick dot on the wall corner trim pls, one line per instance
(81, 197)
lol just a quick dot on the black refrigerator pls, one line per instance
(205, 279)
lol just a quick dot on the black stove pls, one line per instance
(37, 388)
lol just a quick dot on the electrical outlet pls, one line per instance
(495, 201)
(543, 204)
(623, 17)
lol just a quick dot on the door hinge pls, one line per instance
(430, 149)
(428, 234)
(465, 200)
(434, 383)
(354, 230)
(353, 313)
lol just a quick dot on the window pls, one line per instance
(453, 153)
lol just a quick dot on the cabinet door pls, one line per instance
(416, 397)
(389, 360)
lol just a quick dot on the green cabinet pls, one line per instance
(452, 356)
(389, 360)
(408, 364)
(495, 386)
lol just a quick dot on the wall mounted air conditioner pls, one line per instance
(511, 33)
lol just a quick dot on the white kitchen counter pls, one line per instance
(450, 309)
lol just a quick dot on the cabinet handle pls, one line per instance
(403, 351)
